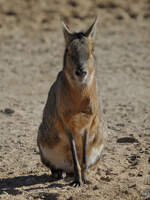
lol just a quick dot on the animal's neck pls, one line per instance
(82, 91)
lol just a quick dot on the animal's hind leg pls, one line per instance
(56, 173)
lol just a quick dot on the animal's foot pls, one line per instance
(86, 181)
(57, 174)
(84, 178)
(77, 183)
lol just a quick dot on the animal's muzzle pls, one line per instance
(80, 72)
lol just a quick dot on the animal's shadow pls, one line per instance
(11, 185)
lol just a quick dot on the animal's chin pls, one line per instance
(81, 79)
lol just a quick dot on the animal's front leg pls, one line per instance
(84, 161)
(77, 169)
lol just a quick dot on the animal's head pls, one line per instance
(79, 58)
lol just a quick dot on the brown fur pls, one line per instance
(74, 107)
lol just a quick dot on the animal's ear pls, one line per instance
(67, 33)
(91, 31)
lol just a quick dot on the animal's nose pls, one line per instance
(80, 72)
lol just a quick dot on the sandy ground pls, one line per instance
(31, 52)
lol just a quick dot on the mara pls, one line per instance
(72, 133)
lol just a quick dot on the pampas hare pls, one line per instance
(71, 136)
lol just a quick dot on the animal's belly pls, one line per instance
(63, 160)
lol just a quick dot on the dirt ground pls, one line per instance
(31, 53)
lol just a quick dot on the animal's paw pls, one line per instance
(77, 183)
(86, 181)
(58, 174)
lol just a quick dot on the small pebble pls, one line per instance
(107, 179)
(132, 186)
(127, 140)
(8, 111)
(95, 187)
(131, 174)
(140, 173)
